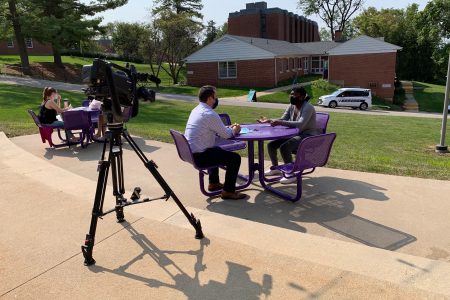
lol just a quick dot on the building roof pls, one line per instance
(277, 47)
(363, 45)
(317, 47)
(231, 47)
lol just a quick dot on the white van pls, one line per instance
(349, 97)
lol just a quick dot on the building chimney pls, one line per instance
(338, 35)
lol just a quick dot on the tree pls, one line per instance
(65, 23)
(153, 49)
(191, 8)
(324, 34)
(180, 37)
(211, 33)
(11, 18)
(401, 27)
(437, 15)
(335, 13)
(222, 30)
(126, 38)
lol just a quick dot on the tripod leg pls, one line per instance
(152, 167)
(97, 211)
(115, 157)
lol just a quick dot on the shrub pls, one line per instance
(322, 84)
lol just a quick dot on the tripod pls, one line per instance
(114, 140)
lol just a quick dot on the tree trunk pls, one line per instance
(57, 57)
(19, 38)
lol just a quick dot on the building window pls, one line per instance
(29, 42)
(227, 69)
(10, 43)
(292, 63)
(286, 65)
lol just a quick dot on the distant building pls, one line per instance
(272, 23)
(9, 47)
(256, 62)
(105, 45)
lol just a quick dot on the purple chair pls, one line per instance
(79, 120)
(46, 131)
(229, 145)
(85, 103)
(185, 153)
(322, 121)
(312, 152)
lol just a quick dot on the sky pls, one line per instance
(217, 10)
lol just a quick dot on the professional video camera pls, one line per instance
(117, 86)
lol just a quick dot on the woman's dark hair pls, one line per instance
(299, 90)
(205, 92)
(47, 92)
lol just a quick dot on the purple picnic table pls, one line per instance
(261, 133)
(93, 113)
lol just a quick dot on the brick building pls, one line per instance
(9, 47)
(256, 62)
(272, 23)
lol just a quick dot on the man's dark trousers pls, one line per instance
(218, 157)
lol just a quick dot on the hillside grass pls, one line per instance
(429, 96)
(380, 144)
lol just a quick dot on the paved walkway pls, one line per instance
(261, 247)
(232, 101)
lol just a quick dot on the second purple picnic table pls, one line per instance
(259, 133)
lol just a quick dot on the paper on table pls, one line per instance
(245, 130)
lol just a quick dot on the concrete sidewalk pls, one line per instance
(254, 249)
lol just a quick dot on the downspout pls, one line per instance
(276, 77)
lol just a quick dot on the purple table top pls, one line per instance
(262, 132)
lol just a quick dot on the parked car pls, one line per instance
(348, 97)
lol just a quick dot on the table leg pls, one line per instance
(252, 167)
(263, 180)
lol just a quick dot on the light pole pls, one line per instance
(442, 148)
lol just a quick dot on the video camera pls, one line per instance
(116, 87)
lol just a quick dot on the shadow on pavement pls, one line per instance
(327, 201)
(94, 150)
(237, 278)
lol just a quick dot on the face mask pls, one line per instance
(215, 103)
(294, 100)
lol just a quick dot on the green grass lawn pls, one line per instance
(381, 144)
(430, 96)
(80, 61)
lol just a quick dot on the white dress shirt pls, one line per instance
(203, 126)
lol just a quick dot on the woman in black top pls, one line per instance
(50, 107)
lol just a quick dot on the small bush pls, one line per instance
(324, 85)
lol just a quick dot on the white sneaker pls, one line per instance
(270, 172)
(285, 180)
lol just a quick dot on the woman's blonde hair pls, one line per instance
(47, 92)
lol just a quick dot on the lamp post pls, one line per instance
(442, 148)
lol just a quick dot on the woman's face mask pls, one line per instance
(215, 103)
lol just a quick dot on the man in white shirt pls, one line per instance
(202, 128)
